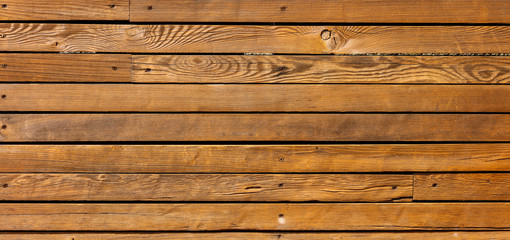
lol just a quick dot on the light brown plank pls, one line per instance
(28, 10)
(254, 98)
(320, 69)
(253, 39)
(254, 127)
(342, 11)
(462, 187)
(65, 67)
(207, 187)
(210, 217)
(476, 235)
(254, 158)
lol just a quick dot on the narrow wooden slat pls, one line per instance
(462, 187)
(65, 67)
(320, 69)
(254, 158)
(210, 217)
(253, 39)
(254, 98)
(207, 187)
(254, 127)
(476, 235)
(29, 10)
(343, 11)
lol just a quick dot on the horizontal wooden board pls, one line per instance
(320, 69)
(254, 127)
(254, 158)
(207, 187)
(462, 187)
(253, 39)
(30, 10)
(254, 98)
(476, 235)
(271, 217)
(341, 11)
(65, 67)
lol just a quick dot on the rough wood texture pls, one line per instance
(253, 39)
(254, 158)
(462, 187)
(210, 217)
(343, 11)
(29, 10)
(65, 67)
(320, 69)
(254, 98)
(254, 127)
(206, 187)
(477, 235)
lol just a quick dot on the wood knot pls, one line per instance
(4, 126)
(112, 6)
(149, 8)
(5, 185)
(114, 68)
(4, 65)
(4, 96)
(326, 34)
(333, 40)
(4, 5)
(283, 8)
(3, 35)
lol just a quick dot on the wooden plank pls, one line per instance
(320, 69)
(254, 98)
(254, 158)
(254, 127)
(253, 39)
(207, 187)
(270, 217)
(474, 235)
(30, 10)
(65, 67)
(462, 187)
(342, 11)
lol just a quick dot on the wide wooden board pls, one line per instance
(46, 37)
(321, 69)
(340, 11)
(270, 217)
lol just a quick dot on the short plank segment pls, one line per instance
(245, 216)
(65, 67)
(254, 158)
(476, 235)
(253, 39)
(343, 11)
(254, 98)
(254, 127)
(320, 69)
(462, 187)
(206, 187)
(64, 10)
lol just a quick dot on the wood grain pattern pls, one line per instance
(255, 158)
(475, 235)
(462, 187)
(30, 10)
(253, 39)
(65, 67)
(254, 127)
(253, 98)
(344, 11)
(320, 69)
(271, 217)
(207, 187)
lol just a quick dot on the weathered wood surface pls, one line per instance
(344, 11)
(30, 10)
(462, 187)
(320, 69)
(254, 98)
(255, 158)
(207, 187)
(474, 235)
(253, 39)
(245, 216)
(254, 127)
(65, 67)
